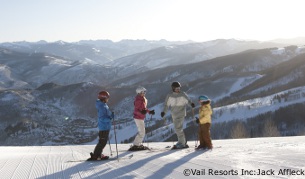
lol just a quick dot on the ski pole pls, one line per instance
(109, 146)
(196, 140)
(116, 143)
(147, 135)
(193, 116)
(164, 122)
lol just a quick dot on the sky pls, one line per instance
(173, 20)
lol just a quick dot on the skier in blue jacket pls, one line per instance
(104, 125)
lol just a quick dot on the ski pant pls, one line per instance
(141, 132)
(204, 135)
(178, 125)
(103, 138)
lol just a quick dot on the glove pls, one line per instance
(193, 105)
(112, 115)
(162, 114)
(144, 111)
(197, 120)
(152, 112)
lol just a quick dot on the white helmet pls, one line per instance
(140, 89)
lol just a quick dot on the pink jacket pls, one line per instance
(140, 103)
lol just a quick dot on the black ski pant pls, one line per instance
(103, 138)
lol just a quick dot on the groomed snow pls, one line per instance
(228, 159)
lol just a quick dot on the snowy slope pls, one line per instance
(8, 81)
(239, 158)
(250, 108)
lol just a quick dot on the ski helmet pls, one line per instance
(140, 89)
(203, 98)
(175, 84)
(103, 95)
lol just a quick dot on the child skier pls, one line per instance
(104, 125)
(139, 114)
(204, 122)
(177, 101)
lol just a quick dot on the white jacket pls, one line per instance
(177, 103)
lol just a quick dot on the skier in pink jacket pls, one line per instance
(139, 113)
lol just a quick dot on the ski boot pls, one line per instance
(137, 148)
(178, 145)
(201, 147)
(104, 157)
(96, 157)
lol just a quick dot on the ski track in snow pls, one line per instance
(46, 162)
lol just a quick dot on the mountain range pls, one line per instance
(49, 89)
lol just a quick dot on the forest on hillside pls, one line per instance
(286, 121)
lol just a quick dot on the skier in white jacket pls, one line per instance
(177, 101)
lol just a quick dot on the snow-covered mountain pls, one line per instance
(184, 54)
(71, 51)
(276, 157)
(51, 96)
(99, 51)
(129, 47)
(246, 64)
(64, 113)
(30, 70)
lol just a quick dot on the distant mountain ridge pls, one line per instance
(101, 51)
(68, 63)
(292, 41)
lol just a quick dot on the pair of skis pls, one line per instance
(103, 160)
(167, 148)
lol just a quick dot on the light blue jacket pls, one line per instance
(104, 115)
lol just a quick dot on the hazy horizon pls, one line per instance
(173, 20)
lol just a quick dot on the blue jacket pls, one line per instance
(104, 115)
